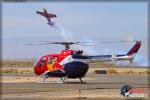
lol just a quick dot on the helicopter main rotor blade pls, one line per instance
(67, 42)
(79, 43)
(107, 42)
(61, 43)
(84, 44)
(38, 44)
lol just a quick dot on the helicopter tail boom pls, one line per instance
(114, 58)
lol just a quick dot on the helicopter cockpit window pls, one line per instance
(50, 60)
(35, 63)
(42, 62)
(55, 60)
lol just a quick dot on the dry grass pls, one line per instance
(130, 72)
(123, 70)
(102, 64)
(9, 71)
(145, 72)
(26, 71)
(17, 63)
(16, 70)
(112, 71)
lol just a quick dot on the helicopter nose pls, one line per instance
(37, 70)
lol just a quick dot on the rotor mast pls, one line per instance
(66, 44)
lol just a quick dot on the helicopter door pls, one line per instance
(50, 64)
(42, 64)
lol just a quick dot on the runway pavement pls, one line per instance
(93, 81)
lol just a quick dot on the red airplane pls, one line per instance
(73, 63)
(48, 16)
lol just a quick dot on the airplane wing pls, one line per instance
(51, 15)
(41, 13)
(44, 14)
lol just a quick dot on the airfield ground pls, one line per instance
(19, 82)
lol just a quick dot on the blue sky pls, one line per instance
(81, 21)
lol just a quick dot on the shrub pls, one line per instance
(112, 71)
(130, 72)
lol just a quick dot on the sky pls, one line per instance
(76, 21)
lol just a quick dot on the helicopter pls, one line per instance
(74, 63)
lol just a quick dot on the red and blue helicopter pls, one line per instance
(74, 63)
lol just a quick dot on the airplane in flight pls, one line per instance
(48, 16)
(74, 63)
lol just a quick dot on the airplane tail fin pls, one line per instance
(132, 52)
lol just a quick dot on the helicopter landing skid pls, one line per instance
(81, 81)
(62, 80)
